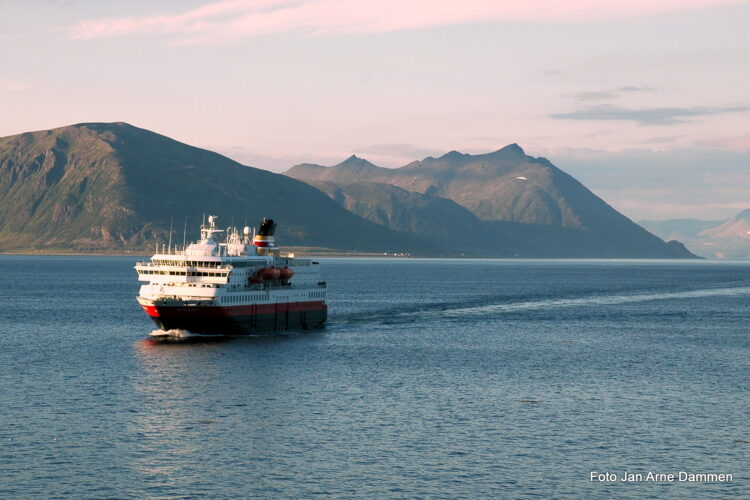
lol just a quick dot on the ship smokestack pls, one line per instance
(265, 237)
(267, 227)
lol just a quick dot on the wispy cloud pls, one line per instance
(234, 19)
(634, 88)
(13, 85)
(669, 139)
(650, 116)
(608, 94)
(593, 96)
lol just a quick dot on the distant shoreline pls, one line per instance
(304, 252)
(329, 253)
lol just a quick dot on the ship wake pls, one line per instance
(592, 301)
(175, 335)
(169, 333)
(463, 310)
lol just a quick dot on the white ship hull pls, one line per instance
(233, 288)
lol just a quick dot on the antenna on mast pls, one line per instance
(171, 221)
(184, 231)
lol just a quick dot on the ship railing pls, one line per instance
(227, 267)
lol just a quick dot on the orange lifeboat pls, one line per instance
(286, 273)
(270, 273)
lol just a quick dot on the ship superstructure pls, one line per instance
(232, 283)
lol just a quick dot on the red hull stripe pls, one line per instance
(241, 310)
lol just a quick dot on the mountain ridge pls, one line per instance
(509, 186)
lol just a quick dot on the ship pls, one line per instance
(231, 283)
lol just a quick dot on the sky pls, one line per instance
(647, 103)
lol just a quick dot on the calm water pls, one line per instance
(433, 379)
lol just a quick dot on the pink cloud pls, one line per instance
(231, 19)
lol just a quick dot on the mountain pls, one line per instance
(100, 186)
(723, 239)
(736, 227)
(679, 229)
(529, 206)
(504, 185)
(730, 240)
(353, 169)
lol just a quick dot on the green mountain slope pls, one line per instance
(403, 210)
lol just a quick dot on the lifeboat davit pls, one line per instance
(270, 273)
(286, 273)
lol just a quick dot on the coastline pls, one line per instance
(300, 251)
(308, 252)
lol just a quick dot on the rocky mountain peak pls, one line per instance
(453, 155)
(355, 161)
(511, 148)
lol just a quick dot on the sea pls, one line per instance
(435, 379)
